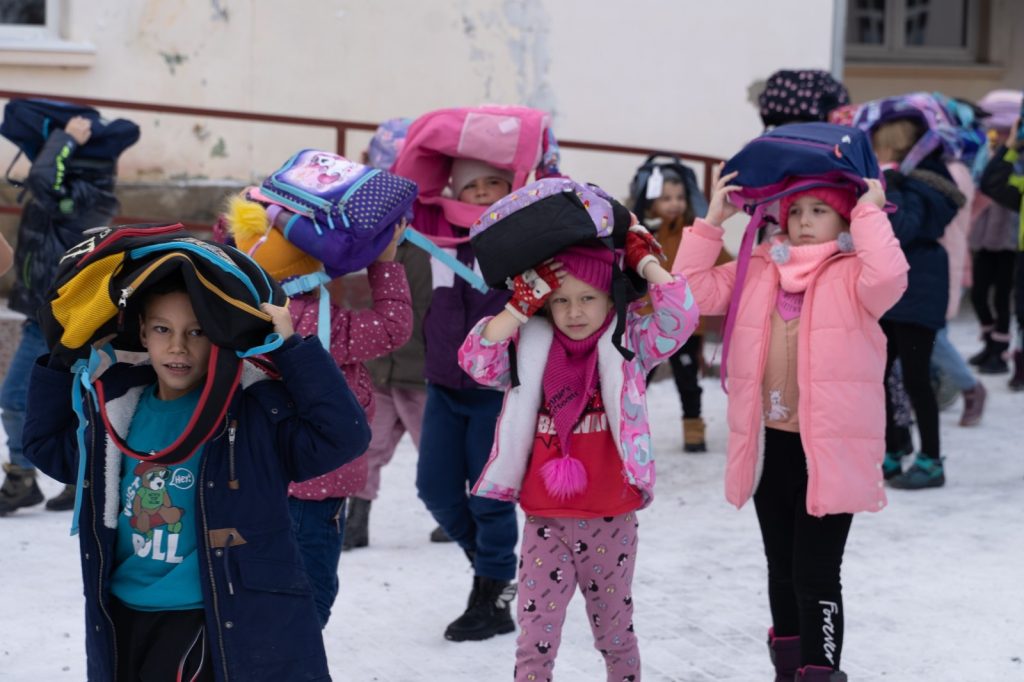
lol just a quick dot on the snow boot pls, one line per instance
(819, 673)
(488, 613)
(925, 472)
(65, 501)
(974, 405)
(892, 466)
(995, 363)
(438, 535)
(693, 435)
(357, 524)
(785, 654)
(19, 489)
(982, 355)
(1017, 380)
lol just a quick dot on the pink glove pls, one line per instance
(531, 290)
(641, 248)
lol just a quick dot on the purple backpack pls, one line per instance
(344, 212)
(940, 132)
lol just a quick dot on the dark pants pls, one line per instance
(804, 553)
(153, 645)
(912, 344)
(993, 278)
(319, 527)
(458, 432)
(1018, 295)
(685, 364)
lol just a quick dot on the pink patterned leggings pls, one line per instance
(558, 555)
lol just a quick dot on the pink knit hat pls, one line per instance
(842, 201)
(589, 264)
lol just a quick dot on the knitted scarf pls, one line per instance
(797, 266)
(570, 379)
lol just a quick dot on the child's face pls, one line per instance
(484, 191)
(812, 221)
(177, 346)
(578, 309)
(672, 202)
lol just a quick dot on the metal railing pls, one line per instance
(341, 128)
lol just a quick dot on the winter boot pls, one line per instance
(925, 472)
(19, 489)
(982, 355)
(974, 405)
(785, 653)
(357, 524)
(488, 613)
(438, 535)
(819, 673)
(65, 501)
(693, 435)
(892, 466)
(1017, 380)
(995, 363)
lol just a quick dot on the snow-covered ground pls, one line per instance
(933, 585)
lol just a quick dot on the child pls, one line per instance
(927, 200)
(1002, 181)
(458, 426)
(69, 195)
(210, 585)
(572, 444)
(807, 368)
(318, 505)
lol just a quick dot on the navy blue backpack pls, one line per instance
(28, 122)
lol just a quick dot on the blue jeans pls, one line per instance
(319, 527)
(458, 432)
(15, 389)
(951, 363)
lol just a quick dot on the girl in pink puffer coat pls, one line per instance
(806, 408)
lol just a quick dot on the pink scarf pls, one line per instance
(797, 266)
(570, 379)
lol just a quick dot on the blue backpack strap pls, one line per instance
(422, 241)
(84, 370)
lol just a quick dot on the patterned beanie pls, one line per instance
(589, 264)
(842, 201)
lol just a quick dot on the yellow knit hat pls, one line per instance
(249, 223)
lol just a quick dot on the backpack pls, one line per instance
(940, 133)
(28, 123)
(532, 224)
(647, 183)
(802, 95)
(785, 160)
(343, 213)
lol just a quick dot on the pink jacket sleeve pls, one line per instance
(486, 362)
(883, 276)
(657, 336)
(711, 286)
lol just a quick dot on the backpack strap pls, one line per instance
(742, 263)
(84, 370)
(420, 240)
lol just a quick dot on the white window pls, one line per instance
(28, 21)
(912, 30)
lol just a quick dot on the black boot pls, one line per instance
(357, 524)
(1017, 380)
(438, 535)
(982, 355)
(488, 613)
(19, 489)
(65, 501)
(994, 363)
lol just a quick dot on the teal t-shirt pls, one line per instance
(156, 558)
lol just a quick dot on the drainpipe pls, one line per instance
(838, 38)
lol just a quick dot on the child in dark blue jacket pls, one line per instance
(191, 570)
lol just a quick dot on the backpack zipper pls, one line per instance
(233, 483)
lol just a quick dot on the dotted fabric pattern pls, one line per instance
(377, 201)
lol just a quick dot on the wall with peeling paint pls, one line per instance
(647, 72)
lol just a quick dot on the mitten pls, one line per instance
(641, 248)
(530, 291)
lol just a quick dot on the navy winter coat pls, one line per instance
(926, 200)
(261, 621)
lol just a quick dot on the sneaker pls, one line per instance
(974, 405)
(19, 489)
(488, 613)
(693, 435)
(438, 535)
(925, 472)
(892, 466)
(65, 501)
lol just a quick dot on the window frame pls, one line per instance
(16, 35)
(894, 48)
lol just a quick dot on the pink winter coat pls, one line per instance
(954, 239)
(357, 336)
(840, 359)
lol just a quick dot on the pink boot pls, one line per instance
(785, 653)
(819, 673)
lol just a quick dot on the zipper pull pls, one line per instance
(233, 483)
(125, 293)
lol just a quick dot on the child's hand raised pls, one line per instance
(281, 318)
(641, 249)
(875, 194)
(388, 254)
(532, 289)
(79, 128)
(721, 209)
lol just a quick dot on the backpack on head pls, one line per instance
(794, 96)
(649, 180)
(28, 123)
(938, 132)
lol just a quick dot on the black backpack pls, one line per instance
(658, 163)
(28, 122)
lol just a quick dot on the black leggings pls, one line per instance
(993, 276)
(685, 364)
(153, 645)
(1018, 295)
(912, 344)
(804, 553)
